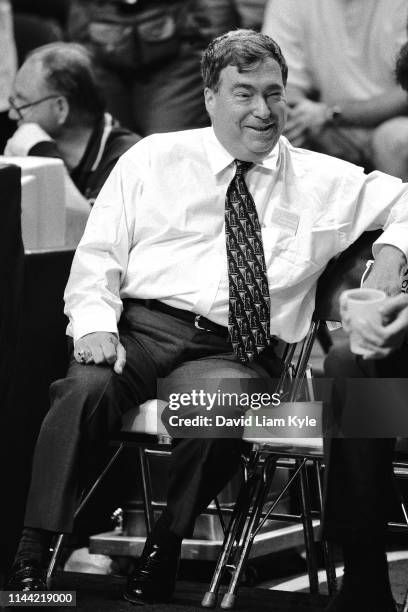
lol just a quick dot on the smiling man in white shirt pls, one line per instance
(184, 273)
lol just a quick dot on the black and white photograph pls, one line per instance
(204, 305)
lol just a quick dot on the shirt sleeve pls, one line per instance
(374, 201)
(92, 296)
(283, 21)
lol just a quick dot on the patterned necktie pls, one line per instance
(249, 301)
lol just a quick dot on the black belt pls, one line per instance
(199, 321)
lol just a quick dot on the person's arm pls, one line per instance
(309, 116)
(92, 296)
(386, 271)
(372, 112)
(372, 202)
(390, 251)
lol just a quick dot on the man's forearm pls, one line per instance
(387, 269)
(372, 112)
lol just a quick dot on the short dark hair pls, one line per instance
(401, 69)
(241, 48)
(68, 69)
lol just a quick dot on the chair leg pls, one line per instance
(405, 603)
(308, 532)
(220, 516)
(404, 511)
(301, 367)
(228, 600)
(233, 532)
(327, 546)
(84, 500)
(330, 567)
(146, 490)
(54, 559)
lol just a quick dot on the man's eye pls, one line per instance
(243, 94)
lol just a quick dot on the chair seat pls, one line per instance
(292, 446)
(145, 419)
(261, 428)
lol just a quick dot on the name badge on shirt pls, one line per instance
(286, 219)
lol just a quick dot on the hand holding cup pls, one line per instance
(357, 307)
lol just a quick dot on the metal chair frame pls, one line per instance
(249, 514)
(249, 518)
(147, 445)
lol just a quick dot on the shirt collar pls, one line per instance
(219, 158)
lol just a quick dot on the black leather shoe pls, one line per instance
(155, 577)
(27, 575)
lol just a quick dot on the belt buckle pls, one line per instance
(198, 326)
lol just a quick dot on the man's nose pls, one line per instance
(261, 108)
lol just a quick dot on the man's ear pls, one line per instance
(209, 99)
(62, 105)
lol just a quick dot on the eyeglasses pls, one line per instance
(18, 109)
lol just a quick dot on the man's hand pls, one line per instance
(99, 348)
(304, 117)
(24, 138)
(381, 340)
(385, 273)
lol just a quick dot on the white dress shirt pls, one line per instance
(156, 230)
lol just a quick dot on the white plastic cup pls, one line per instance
(362, 304)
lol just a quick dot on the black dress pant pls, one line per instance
(87, 405)
(359, 480)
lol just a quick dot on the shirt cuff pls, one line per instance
(87, 321)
